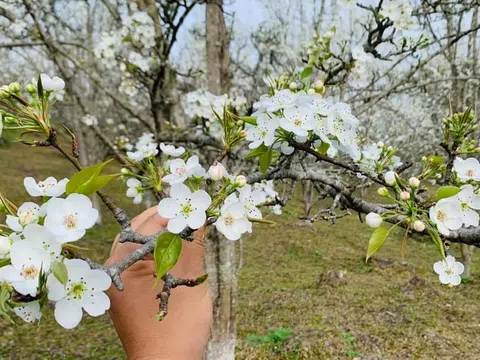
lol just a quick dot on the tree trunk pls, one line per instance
(218, 45)
(222, 276)
(220, 260)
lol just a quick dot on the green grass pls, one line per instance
(304, 292)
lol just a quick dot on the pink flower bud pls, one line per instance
(216, 172)
(405, 195)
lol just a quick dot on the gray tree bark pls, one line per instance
(220, 260)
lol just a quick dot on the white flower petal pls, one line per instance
(68, 313)
(95, 304)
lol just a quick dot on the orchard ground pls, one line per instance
(305, 292)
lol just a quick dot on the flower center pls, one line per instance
(26, 217)
(441, 216)
(181, 171)
(44, 185)
(470, 173)
(449, 271)
(76, 290)
(70, 221)
(297, 122)
(187, 208)
(229, 220)
(263, 133)
(29, 272)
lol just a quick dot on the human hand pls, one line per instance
(184, 332)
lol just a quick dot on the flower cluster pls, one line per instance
(36, 266)
(229, 201)
(399, 11)
(287, 115)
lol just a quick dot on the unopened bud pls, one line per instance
(239, 123)
(414, 182)
(243, 133)
(14, 87)
(390, 178)
(418, 226)
(4, 92)
(311, 92)
(373, 220)
(293, 85)
(240, 181)
(390, 148)
(380, 144)
(216, 172)
(405, 195)
(31, 89)
(383, 191)
(5, 245)
(124, 171)
(474, 127)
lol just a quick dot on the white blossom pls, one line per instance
(232, 222)
(449, 271)
(52, 84)
(170, 150)
(84, 289)
(28, 213)
(469, 202)
(181, 170)
(68, 219)
(446, 214)
(40, 237)
(468, 169)
(146, 151)
(298, 120)
(263, 132)
(29, 312)
(282, 99)
(184, 208)
(90, 120)
(28, 260)
(135, 190)
(49, 187)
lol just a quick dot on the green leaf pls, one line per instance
(4, 308)
(261, 221)
(306, 72)
(60, 271)
(40, 87)
(166, 253)
(98, 184)
(84, 181)
(323, 148)
(379, 235)
(262, 149)
(265, 160)
(447, 191)
(437, 241)
(201, 279)
(249, 119)
(436, 161)
(4, 262)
